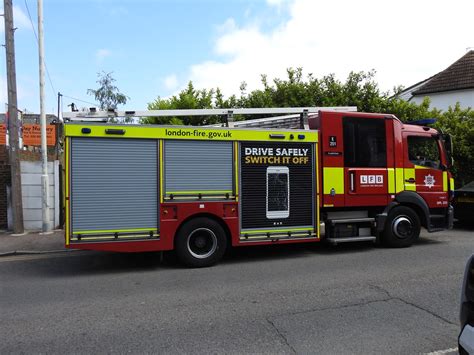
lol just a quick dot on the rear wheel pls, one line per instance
(402, 227)
(200, 242)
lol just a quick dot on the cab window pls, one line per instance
(365, 143)
(423, 151)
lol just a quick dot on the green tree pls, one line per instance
(359, 89)
(459, 123)
(189, 98)
(108, 95)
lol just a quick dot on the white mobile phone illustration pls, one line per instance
(278, 192)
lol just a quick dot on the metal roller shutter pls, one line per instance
(198, 166)
(114, 184)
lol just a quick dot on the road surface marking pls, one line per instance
(441, 352)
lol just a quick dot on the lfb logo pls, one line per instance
(371, 179)
(429, 181)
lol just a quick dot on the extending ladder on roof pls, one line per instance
(92, 115)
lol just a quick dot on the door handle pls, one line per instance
(352, 181)
(410, 180)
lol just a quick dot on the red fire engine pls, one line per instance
(200, 190)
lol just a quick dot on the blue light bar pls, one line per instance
(423, 122)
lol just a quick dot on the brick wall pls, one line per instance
(4, 181)
(3, 155)
(27, 155)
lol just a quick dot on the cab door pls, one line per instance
(423, 169)
(366, 160)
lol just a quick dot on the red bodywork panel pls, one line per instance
(330, 125)
(365, 194)
(356, 193)
(432, 193)
(172, 215)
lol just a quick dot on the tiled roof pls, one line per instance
(458, 76)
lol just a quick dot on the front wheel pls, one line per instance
(402, 227)
(200, 242)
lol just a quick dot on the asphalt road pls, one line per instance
(277, 299)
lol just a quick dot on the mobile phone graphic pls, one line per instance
(278, 192)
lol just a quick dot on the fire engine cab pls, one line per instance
(199, 190)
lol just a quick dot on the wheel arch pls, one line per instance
(409, 199)
(205, 215)
(417, 203)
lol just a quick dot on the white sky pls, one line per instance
(404, 41)
(154, 47)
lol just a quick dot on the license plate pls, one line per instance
(465, 199)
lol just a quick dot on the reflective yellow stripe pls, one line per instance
(258, 231)
(445, 181)
(451, 184)
(161, 177)
(262, 238)
(316, 157)
(141, 236)
(391, 180)
(408, 174)
(116, 231)
(199, 192)
(236, 170)
(399, 180)
(333, 178)
(66, 188)
(195, 198)
(194, 133)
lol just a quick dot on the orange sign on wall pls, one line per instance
(32, 134)
(3, 134)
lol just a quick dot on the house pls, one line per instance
(454, 84)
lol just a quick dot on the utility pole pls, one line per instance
(16, 196)
(44, 145)
(56, 148)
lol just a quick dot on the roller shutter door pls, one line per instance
(198, 167)
(114, 184)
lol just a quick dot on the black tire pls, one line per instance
(402, 227)
(200, 242)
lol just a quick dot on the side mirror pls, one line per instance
(448, 144)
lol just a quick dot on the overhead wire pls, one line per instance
(47, 70)
(76, 99)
